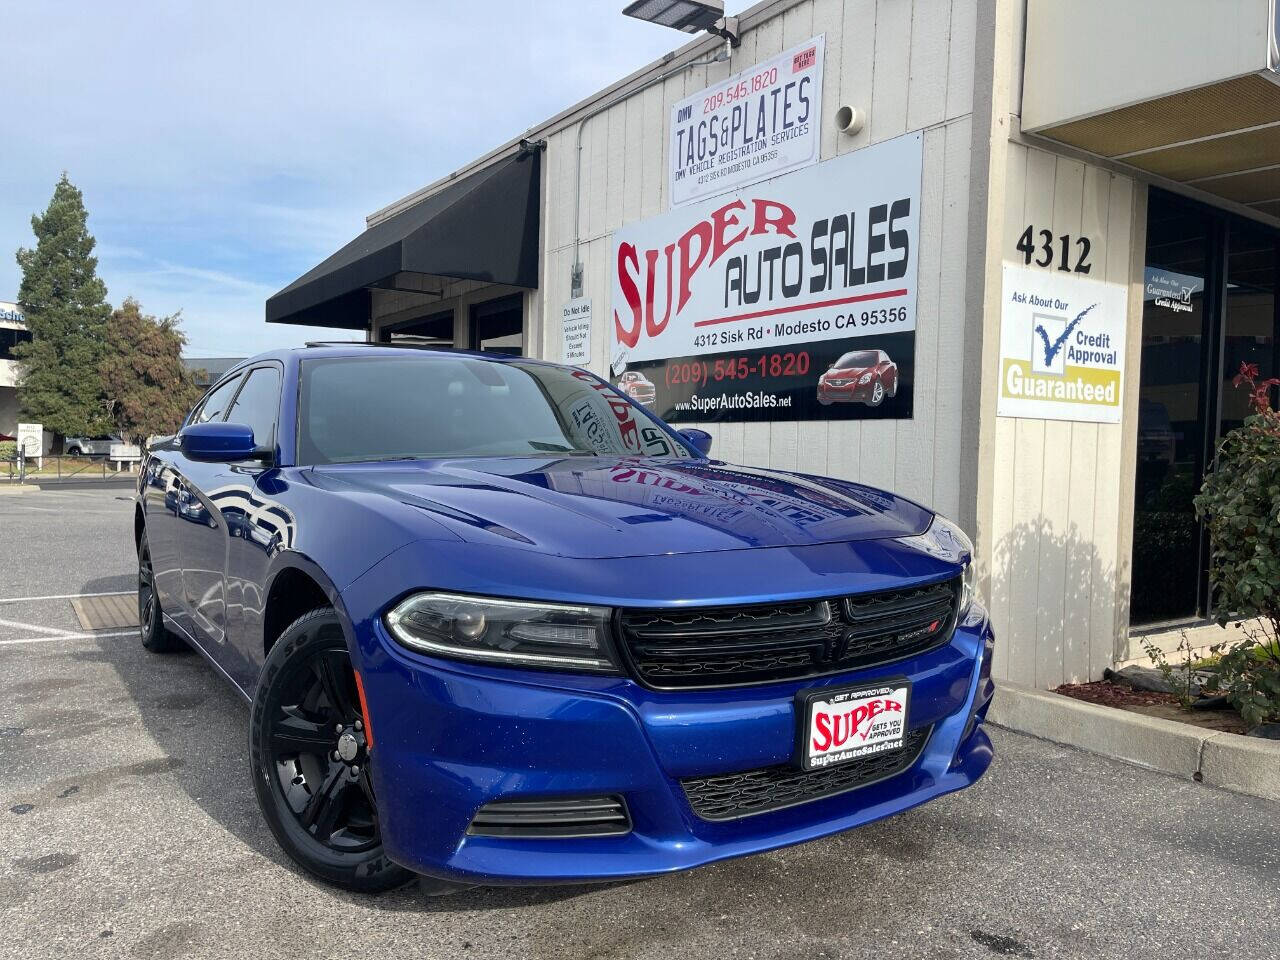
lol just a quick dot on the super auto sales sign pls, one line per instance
(791, 299)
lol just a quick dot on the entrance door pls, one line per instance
(1209, 303)
(498, 325)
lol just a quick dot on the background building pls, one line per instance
(13, 330)
(1083, 200)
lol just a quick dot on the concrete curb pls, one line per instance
(17, 488)
(1229, 760)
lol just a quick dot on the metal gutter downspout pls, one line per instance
(575, 275)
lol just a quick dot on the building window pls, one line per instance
(435, 330)
(497, 326)
(1209, 304)
(10, 337)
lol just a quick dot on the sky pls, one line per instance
(224, 149)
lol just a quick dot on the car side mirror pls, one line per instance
(700, 440)
(218, 442)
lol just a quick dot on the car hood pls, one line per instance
(847, 373)
(596, 507)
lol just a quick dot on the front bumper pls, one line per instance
(849, 393)
(451, 737)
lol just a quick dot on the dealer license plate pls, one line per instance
(843, 723)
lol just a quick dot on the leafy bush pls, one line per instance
(8, 449)
(1240, 504)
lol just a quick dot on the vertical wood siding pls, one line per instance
(1058, 558)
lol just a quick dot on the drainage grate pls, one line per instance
(106, 613)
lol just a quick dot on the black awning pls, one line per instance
(484, 227)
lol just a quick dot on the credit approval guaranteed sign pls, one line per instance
(757, 124)
(740, 306)
(1062, 346)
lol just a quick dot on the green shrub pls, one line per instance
(1240, 504)
(8, 449)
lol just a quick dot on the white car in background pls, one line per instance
(89, 446)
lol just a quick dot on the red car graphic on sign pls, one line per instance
(864, 376)
(636, 386)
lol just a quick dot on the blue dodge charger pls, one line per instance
(497, 623)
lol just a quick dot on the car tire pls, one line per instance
(74, 452)
(824, 401)
(894, 392)
(318, 802)
(155, 636)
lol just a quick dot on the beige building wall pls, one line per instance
(1058, 528)
(908, 64)
(1054, 499)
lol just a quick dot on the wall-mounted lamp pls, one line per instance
(691, 16)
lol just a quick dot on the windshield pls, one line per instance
(395, 408)
(858, 358)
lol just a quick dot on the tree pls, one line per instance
(66, 310)
(147, 389)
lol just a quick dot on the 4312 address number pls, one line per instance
(1044, 248)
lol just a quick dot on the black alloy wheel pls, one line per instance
(310, 758)
(155, 636)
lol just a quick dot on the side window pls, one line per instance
(258, 404)
(215, 402)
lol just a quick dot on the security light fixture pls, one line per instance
(691, 16)
(687, 15)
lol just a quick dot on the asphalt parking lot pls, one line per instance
(130, 830)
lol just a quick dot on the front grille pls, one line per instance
(728, 796)
(567, 817)
(725, 646)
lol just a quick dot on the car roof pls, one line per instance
(357, 348)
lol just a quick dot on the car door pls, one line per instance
(201, 532)
(257, 524)
(167, 509)
(160, 513)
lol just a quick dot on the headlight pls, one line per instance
(946, 541)
(865, 378)
(509, 632)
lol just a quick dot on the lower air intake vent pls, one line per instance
(571, 817)
(728, 796)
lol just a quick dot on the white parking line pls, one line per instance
(70, 636)
(56, 631)
(66, 596)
